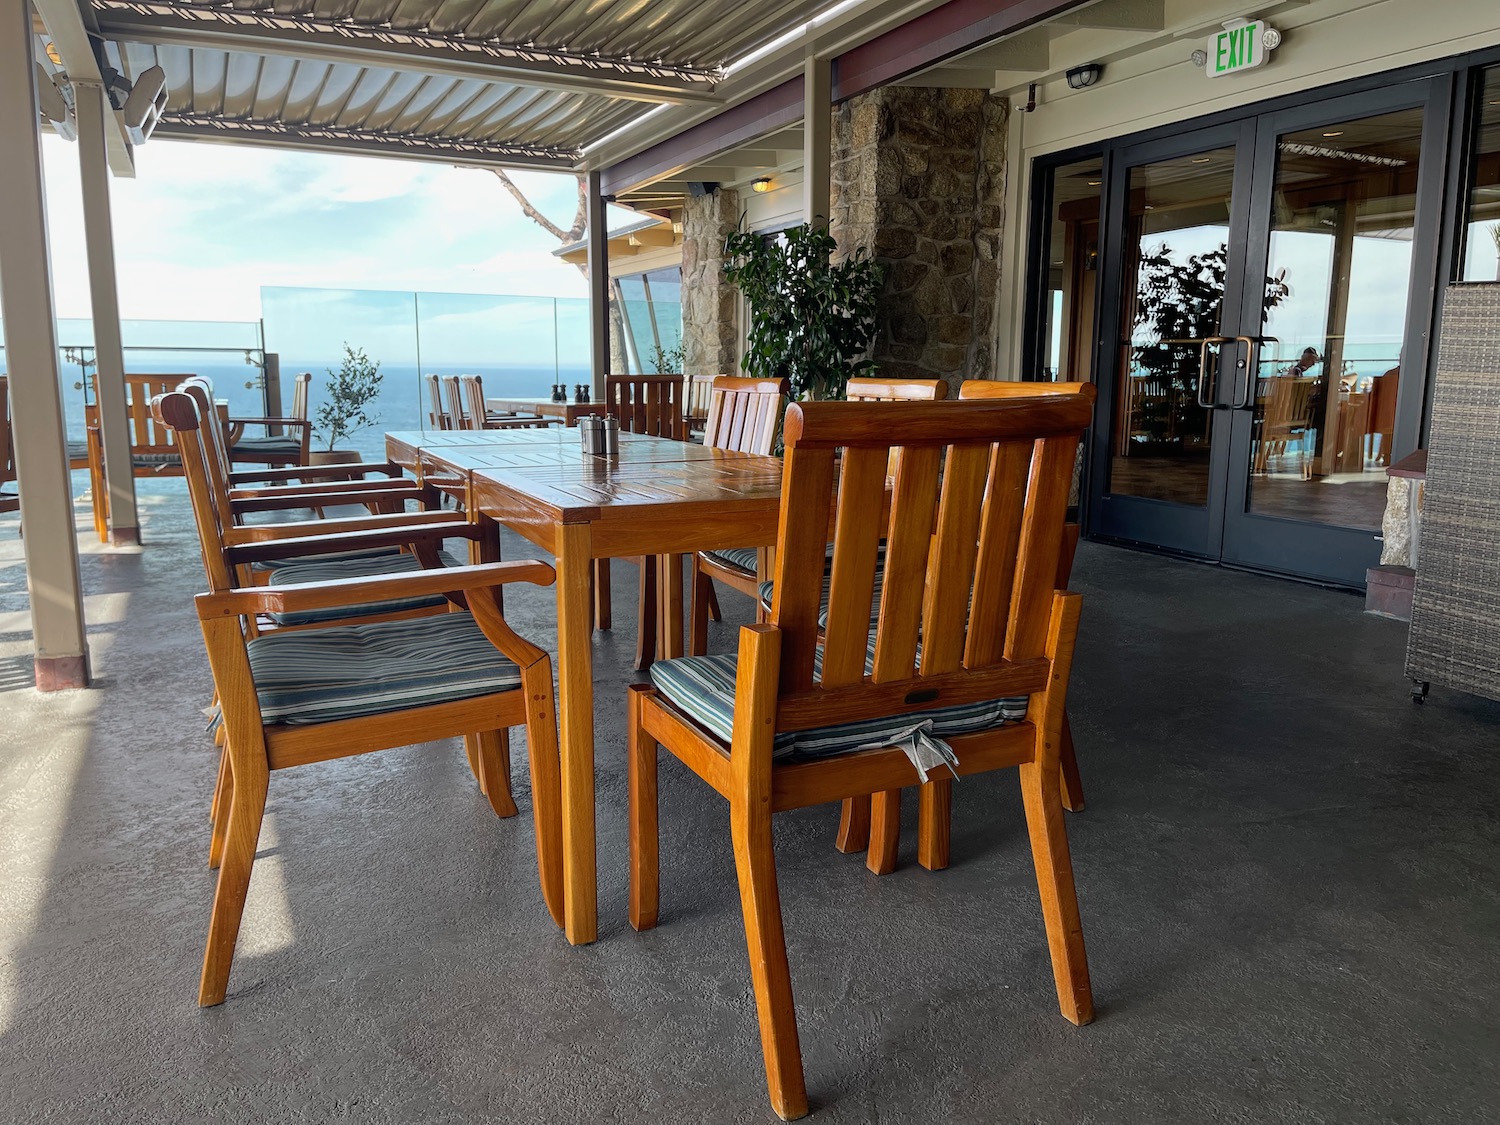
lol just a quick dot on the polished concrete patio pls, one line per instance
(1287, 871)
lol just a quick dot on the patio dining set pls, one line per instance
(907, 557)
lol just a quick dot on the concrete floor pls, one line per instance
(1288, 876)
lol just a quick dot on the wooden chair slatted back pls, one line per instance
(179, 411)
(1290, 405)
(147, 436)
(471, 389)
(435, 412)
(300, 394)
(896, 390)
(961, 607)
(745, 414)
(698, 396)
(458, 418)
(646, 404)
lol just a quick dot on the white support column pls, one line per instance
(31, 358)
(817, 140)
(598, 258)
(109, 374)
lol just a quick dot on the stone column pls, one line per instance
(710, 323)
(919, 178)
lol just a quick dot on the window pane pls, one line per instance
(1072, 257)
(1482, 228)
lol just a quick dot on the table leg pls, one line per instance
(575, 675)
(668, 606)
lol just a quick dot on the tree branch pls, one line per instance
(573, 234)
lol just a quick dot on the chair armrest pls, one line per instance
(360, 591)
(298, 499)
(408, 488)
(311, 472)
(354, 525)
(303, 422)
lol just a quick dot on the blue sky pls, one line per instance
(203, 226)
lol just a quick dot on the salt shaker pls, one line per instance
(611, 432)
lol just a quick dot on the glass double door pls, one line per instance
(1256, 321)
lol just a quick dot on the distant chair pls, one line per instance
(9, 501)
(1288, 417)
(697, 394)
(1380, 429)
(477, 417)
(436, 415)
(650, 405)
(276, 450)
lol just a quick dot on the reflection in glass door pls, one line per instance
(1256, 313)
(1342, 218)
(1177, 249)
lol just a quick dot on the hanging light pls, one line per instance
(760, 185)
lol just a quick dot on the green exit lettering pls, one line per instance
(1236, 48)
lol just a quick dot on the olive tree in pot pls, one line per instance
(345, 409)
(812, 320)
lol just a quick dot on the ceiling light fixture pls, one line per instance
(1201, 159)
(760, 185)
(1334, 133)
(1095, 183)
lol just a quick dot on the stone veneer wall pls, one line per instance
(710, 334)
(919, 177)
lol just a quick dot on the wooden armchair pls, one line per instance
(291, 698)
(743, 415)
(276, 449)
(437, 416)
(971, 637)
(477, 416)
(697, 393)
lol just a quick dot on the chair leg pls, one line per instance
(854, 825)
(1072, 784)
(645, 836)
(247, 806)
(546, 781)
(714, 612)
(935, 823)
(603, 608)
(645, 629)
(1054, 876)
(492, 759)
(223, 796)
(703, 606)
(885, 831)
(771, 976)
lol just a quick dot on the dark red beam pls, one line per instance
(958, 26)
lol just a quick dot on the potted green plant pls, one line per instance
(812, 320)
(345, 409)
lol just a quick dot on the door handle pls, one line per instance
(1251, 364)
(1203, 367)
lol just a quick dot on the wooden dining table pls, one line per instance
(657, 497)
(568, 411)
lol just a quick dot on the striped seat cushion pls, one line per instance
(768, 592)
(702, 687)
(155, 460)
(322, 570)
(266, 446)
(344, 671)
(78, 451)
(308, 560)
(741, 558)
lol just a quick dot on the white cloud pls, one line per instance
(203, 226)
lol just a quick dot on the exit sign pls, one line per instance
(1242, 45)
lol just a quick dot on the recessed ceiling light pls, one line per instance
(1334, 133)
(1202, 159)
(1095, 183)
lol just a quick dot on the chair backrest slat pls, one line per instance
(745, 414)
(453, 395)
(435, 412)
(179, 411)
(851, 585)
(646, 404)
(972, 533)
(471, 389)
(955, 550)
(895, 390)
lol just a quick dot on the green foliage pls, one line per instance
(1178, 304)
(667, 361)
(349, 391)
(811, 321)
